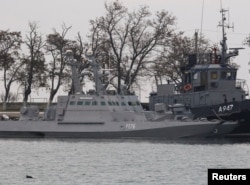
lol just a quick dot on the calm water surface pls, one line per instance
(107, 162)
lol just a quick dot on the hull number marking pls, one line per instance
(225, 108)
(130, 126)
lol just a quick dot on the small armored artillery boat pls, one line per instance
(105, 114)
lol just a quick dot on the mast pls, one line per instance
(75, 75)
(224, 38)
(235, 51)
(223, 43)
(99, 87)
(95, 68)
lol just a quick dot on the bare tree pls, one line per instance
(168, 65)
(34, 62)
(130, 39)
(56, 44)
(145, 40)
(247, 41)
(10, 43)
(115, 25)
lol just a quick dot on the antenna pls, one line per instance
(198, 43)
(223, 43)
(202, 16)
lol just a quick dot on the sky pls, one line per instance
(202, 15)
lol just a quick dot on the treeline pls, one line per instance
(135, 44)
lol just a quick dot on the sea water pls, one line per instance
(114, 162)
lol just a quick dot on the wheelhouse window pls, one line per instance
(132, 103)
(103, 103)
(87, 102)
(223, 75)
(94, 103)
(195, 76)
(72, 102)
(233, 75)
(80, 103)
(214, 75)
(228, 75)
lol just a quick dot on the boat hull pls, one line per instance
(240, 112)
(150, 131)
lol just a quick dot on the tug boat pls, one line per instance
(210, 88)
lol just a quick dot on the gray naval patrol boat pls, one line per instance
(105, 114)
(210, 88)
